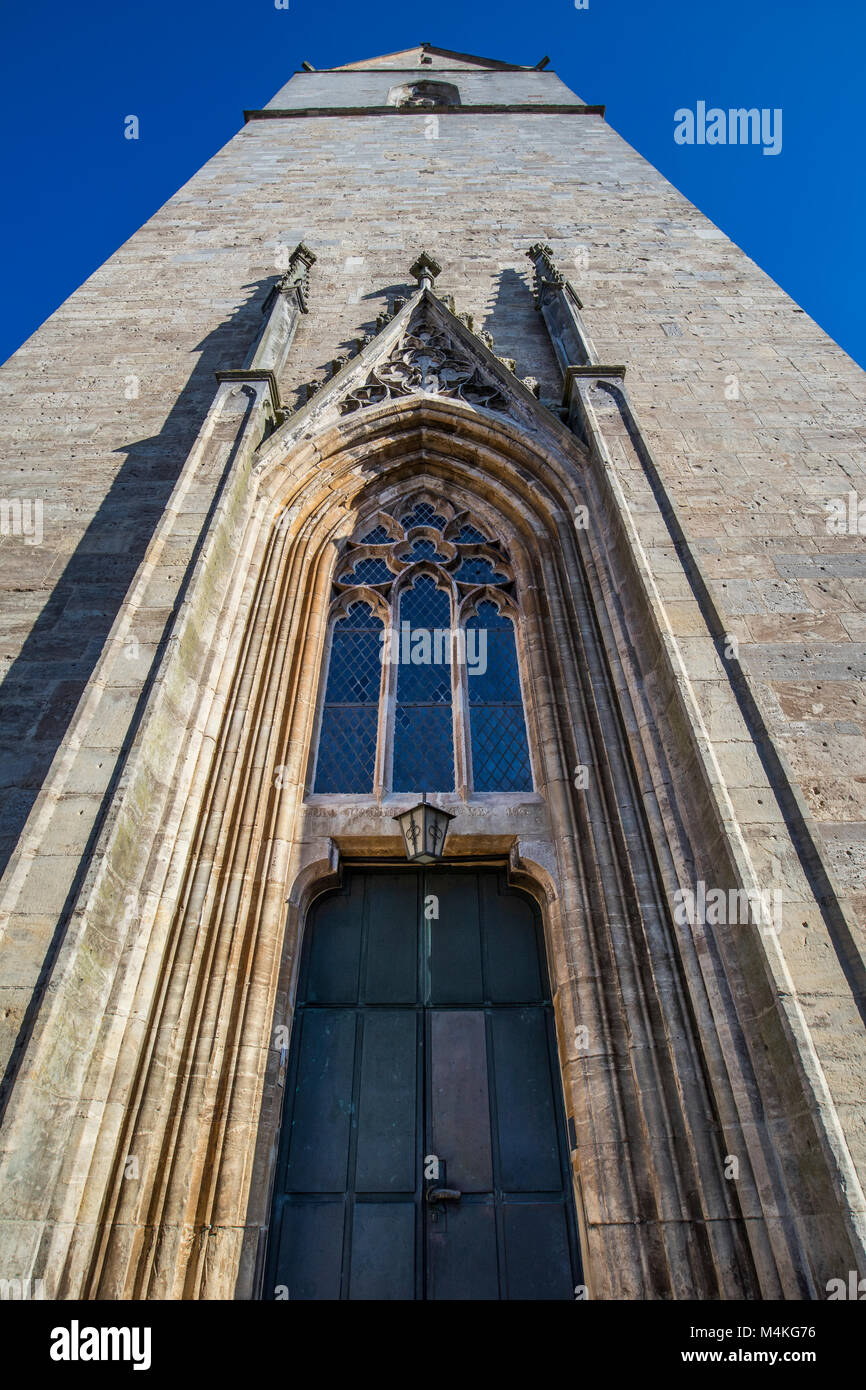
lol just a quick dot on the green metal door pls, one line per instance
(423, 1151)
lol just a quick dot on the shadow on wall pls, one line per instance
(518, 331)
(516, 327)
(379, 301)
(41, 688)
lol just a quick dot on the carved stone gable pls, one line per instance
(428, 362)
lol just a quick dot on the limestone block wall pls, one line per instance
(99, 409)
(371, 87)
(664, 291)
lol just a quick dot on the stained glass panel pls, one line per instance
(424, 549)
(378, 536)
(423, 732)
(370, 570)
(423, 737)
(500, 754)
(347, 741)
(476, 570)
(469, 536)
(423, 515)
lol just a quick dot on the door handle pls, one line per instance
(436, 1194)
(443, 1194)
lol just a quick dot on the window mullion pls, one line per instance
(460, 702)
(388, 703)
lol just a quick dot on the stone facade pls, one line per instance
(164, 643)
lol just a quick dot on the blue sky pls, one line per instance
(75, 189)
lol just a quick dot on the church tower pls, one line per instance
(429, 452)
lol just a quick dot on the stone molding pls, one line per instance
(281, 310)
(533, 108)
(253, 374)
(559, 305)
(426, 362)
(448, 359)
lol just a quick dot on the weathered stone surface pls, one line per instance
(164, 643)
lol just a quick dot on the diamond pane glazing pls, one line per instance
(424, 549)
(347, 742)
(423, 515)
(500, 753)
(347, 749)
(423, 732)
(500, 757)
(370, 570)
(469, 536)
(479, 571)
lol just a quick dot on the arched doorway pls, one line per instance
(423, 1151)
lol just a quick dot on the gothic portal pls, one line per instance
(432, 484)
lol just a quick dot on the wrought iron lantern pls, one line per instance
(424, 828)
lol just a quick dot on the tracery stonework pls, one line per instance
(427, 362)
(424, 95)
(423, 587)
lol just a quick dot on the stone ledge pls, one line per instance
(526, 108)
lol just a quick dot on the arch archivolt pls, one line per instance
(202, 1107)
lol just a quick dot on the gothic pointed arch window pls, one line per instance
(349, 726)
(500, 755)
(421, 686)
(423, 722)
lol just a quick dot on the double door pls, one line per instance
(423, 1151)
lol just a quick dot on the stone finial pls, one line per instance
(543, 253)
(298, 274)
(425, 271)
(546, 274)
(296, 278)
(302, 255)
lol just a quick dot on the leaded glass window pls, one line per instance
(425, 549)
(422, 690)
(423, 733)
(480, 570)
(347, 741)
(377, 536)
(500, 754)
(424, 514)
(368, 571)
(469, 535)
